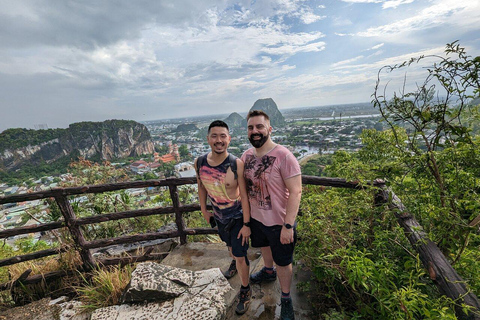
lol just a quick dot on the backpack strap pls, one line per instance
(200, 162)
(233, 164)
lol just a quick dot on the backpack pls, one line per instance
(232, 163)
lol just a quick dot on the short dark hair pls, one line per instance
(217, 123)
(256, 113)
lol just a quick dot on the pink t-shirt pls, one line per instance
(265, 178)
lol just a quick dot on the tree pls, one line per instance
(432, 113)
(183, 151)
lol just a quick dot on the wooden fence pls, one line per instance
(440, 270)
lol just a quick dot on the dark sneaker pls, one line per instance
(287, 309)
(230, 272)
(263, 276)
(243, 301)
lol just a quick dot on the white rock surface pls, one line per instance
(199, 295)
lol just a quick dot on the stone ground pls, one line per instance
(265, 297)
(197, 256)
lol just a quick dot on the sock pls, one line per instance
(269, 270)
(286, 295)
(242, 288)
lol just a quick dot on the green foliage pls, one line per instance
(104, 287)
(315, 165)
(364, 267)
(430, 156)
(11, 139)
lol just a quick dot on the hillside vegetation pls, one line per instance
(364, 266)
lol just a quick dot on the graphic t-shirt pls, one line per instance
(264, 176)
(213, 179)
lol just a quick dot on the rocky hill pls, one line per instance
(235, 120)
(111, 139)
(270, 107)
(186, 127)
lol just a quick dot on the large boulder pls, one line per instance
(171, 293)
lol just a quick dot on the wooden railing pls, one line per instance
(440, 270)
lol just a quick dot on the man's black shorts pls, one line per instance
(230, 236)
(263, 236)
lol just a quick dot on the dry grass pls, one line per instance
(104, 287)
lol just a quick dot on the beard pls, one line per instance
(258, 143)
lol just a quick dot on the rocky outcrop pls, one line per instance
(186, 127)
(106, 140)
(235, 120)
(172, 293)
(270, 107)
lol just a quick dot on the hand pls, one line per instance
(245, 234)
(286, 236)
(207, 215)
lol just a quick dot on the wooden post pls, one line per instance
(178, 214)
(69, 216)
(440, 270)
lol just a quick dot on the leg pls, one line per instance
(243, 270)
(267, 257)
(285, 277)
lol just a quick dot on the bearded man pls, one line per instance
(274, 187)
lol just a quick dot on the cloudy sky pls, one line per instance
(69, 61)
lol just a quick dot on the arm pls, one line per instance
(294, 186)
(202, 196)
(245, 231)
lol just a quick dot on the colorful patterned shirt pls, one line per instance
(213, 179)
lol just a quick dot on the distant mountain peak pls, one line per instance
(270, 107)
(234, 120)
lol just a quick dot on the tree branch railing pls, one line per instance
(440, 270)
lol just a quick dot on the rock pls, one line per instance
(72, 310)
(137, 248)
(270, 107)
(234, 120)
(156, 282)
(198, 295)
(107, 140)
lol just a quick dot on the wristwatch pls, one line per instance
(247, 224)
(288, 226)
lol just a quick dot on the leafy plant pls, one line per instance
(104, 287)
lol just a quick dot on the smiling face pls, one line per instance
(259, 130)
(218, 138)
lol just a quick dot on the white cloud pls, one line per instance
(395, 3)
(456, 13)
(386, 4)
(345, 62)
(310, 17)
(377, 46)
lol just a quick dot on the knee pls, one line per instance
(241, 260)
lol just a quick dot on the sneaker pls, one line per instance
(287, 309)
(244, 301)
(263, 276)
(230, 272)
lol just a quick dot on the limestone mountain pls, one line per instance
(186, 127)
(235, 120)
(270, 107)
(111, 139)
